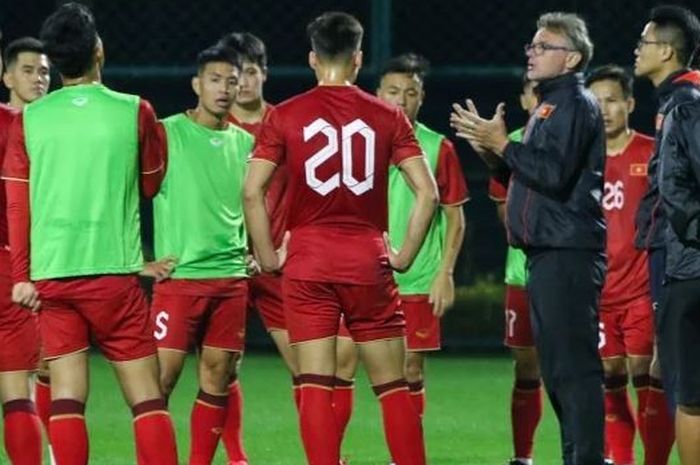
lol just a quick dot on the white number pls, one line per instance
(511, 317)
(322, 126)
(161, 324)
(601, 336)
(614, 195)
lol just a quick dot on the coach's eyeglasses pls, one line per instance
(642, 42)
(538, 48)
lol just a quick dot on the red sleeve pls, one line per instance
(16, 176)
(153, 150)
(497, 190)
(405, 145)
(269, 145)
(450, 180)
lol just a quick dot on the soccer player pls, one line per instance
(74, 163)
(198, 218)
(526, 396)
(554, 214)
(27, 77)
(337, 143)
(662, 56)
(265, 289)
(26, 71)
(427, 288)
(626, 316)
(679, 330)
(19, 353)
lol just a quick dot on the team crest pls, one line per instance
(638, 169)
(216, 142)
(79, 101)
(545, 111)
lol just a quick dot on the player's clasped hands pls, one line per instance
(26, 295)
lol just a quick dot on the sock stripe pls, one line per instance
(67, 407)
(316, 380)
(233, 383)
(656, 384)
(45, 380)
(527, 384)
(295, 382)
(340, 383)
(615, 382)
(148, 406)
(396, 385)
(18, 405)
(641, 381)
(212, 400)
(416, 387)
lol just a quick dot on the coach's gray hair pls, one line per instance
(574, 28)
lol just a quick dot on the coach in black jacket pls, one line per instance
(554, 213)
(679, 326)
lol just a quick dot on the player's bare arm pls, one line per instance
(442, 292)
(422, 183)
(258, 223)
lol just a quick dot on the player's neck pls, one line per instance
(92, 77)
(16, 102)
(665, 72)
(250, 113)
(616, 143)
(334, 75)
(207, 119)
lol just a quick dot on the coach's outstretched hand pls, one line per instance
(159, 270)
(487, 137)
(26, 295)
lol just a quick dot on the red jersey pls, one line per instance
(7, 114)
(275, 198)
(451, 184)
(338, 143)
(626, 182)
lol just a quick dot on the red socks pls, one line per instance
(154, 433)
(296, 392)
(22, 432)
(343, 393)
(206, 425)
(619, 420)
(417, 392)
(68, 433)
(525, 415)
(641, 386)
(402, 424)
(319, 431)
(232, 436)
(660, 431)
(42, 397)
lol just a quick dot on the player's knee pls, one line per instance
(414, 367)
(639, 366)
(526, 364)
(690, 410)
(615, 367)
(168, 379)
(216, 373)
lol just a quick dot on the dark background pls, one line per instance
(475, 48)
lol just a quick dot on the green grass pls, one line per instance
(466, 422)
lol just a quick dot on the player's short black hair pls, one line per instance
(680, 28)
(217, 54)
(407, 63)
(249, 46)
(17, 46)
(612, 73)
(70, 37)
(335, 34)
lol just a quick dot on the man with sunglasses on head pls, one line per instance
(554, 214)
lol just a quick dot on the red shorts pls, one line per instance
(627, 330)
(422, 327)
(265, 295)
(517, 312)
(183, 321)
(343, 330)
(19, 332)
(110, 309)
(313, 310)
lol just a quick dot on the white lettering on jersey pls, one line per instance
(614, 195)
(161, 325)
